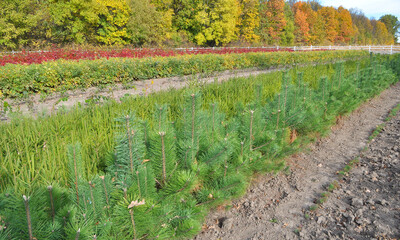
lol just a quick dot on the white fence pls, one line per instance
(388, 49)
(371, 48)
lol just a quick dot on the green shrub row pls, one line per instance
(163, 176)
(62, 75)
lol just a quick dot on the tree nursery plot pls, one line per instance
(20, 80)
(152, 167)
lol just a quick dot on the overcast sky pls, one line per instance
(371, 8)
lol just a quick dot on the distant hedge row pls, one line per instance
(61, 75)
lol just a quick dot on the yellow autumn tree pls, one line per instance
(219, 21)
(249, 20)
(381, 34)
(113, 17)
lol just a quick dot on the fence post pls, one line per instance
(311, 47)
(330, 47)
(391, 49)
(294, 49)
(369, 48)
(349, 47)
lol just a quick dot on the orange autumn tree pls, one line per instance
(272, 20)
(302, 28)
(331, 22)
(304, 18)
(345, 30)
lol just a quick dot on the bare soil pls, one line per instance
(365, 206)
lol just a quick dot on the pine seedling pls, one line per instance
(143, 183)
(340, 73)
(218, 155)
(253, 131)
(135, 219)
(162, 148)
(87, 195)
(106, 189)
(192, 127)
(130, 150)
(294, 113)
(215, 129)
(76, 168)
(184, 217)
(80, 226)
(185, 181)
(27, 216)
(57, 200)
(51, 198)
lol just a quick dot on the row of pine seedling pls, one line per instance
(164, 175)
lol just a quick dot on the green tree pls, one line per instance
(185, 17)
(74, 21)
(20, 22)
(392, 24)
(145, 26)
(287, 37)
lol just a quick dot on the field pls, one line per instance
(153, 166)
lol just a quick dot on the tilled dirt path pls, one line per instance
(367, 203)
(274, 207)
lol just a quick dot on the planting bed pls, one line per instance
(151, 167)
(365, 206)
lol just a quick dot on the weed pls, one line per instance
(313, 207)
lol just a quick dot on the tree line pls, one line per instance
(41, 23)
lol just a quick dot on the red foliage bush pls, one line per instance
(25, 57)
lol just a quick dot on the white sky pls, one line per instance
(371, 8)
